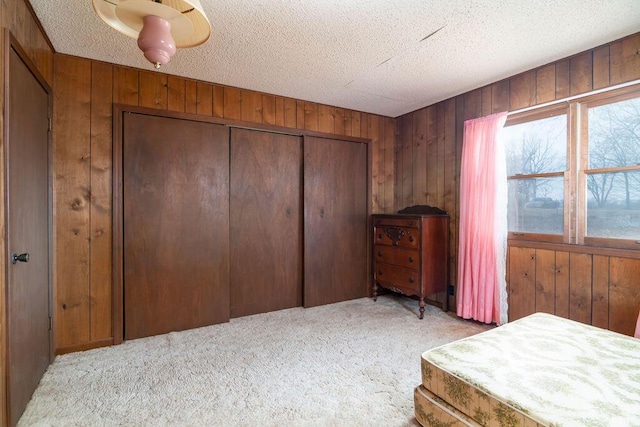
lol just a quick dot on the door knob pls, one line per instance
(22, 258)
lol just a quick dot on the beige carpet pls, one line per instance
(353, 363)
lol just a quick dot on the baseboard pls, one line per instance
(84, 346)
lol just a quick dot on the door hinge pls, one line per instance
(50, 323)
(49, 124)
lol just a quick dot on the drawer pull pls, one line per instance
(410, 279)
(411, 239)
(379, 254)
(380, 272)
(410, 259)
(379, 235)
(410, 223)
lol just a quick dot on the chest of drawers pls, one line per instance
(410, 255)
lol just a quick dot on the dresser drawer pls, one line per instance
(397, 236)
(397, 278)
(397, 222)
(401, 257)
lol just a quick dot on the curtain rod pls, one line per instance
(571, 98)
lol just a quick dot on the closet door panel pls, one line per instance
(176, 222)
(266, 222)
(335, 221)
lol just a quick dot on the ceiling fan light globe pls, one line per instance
(155, 40)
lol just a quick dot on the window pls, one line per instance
(612, 169)
(574, 171)
(536, 150)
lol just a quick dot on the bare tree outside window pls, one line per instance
(574, 170)
(613, 208)
(536, 159)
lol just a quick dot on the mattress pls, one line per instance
(539, 370)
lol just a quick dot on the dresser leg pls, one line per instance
(375, 291)
(422, 304)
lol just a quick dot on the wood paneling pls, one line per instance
(406, 179)
(388, 178)
(581, 73)
(218, 101)
(191, 97)
(601, 67)
(269, 109)
(594, 289)
(72, 200)
(580, 287)
(597, 68)
(251, 110)
(17, 18)
(500, 96)
(311, 116)
(85, 92)
(100, 201)
(419, 171)
(562, 284)
(545, 281)
(125, 83)
(447, 132)
(232, 103)
(326, 119)
(563, 79)
(546, 83)
(153, 90)
(600, 292)
(522, 279)
(624, 61)
(624, 294)
(176, 94)
(204, 99)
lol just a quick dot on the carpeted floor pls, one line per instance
(353, 363)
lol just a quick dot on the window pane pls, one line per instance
(539, 146)
(536, 205)
(613, 205)
(614, 134)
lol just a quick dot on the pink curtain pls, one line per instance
(481, 293)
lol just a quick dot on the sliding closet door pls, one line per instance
(266, 222)
(176, 222)
(335, 221)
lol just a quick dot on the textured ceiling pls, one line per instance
(386, 57)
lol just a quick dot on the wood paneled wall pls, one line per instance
(429, 144)
(601, 290)
(84, 94)
(17, 18)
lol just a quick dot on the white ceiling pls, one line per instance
(366, 55)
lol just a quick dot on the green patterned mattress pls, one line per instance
(539, 370)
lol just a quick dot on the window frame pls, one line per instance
(577, 167)
(632, 92)
(530, 116)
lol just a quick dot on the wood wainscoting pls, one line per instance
(84, 94)
(590, 285)
(428, 148)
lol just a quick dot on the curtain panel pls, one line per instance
(481, 290)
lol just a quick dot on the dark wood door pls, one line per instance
(266, 222)
(28, 233)
(176, 224)
(335, 221)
